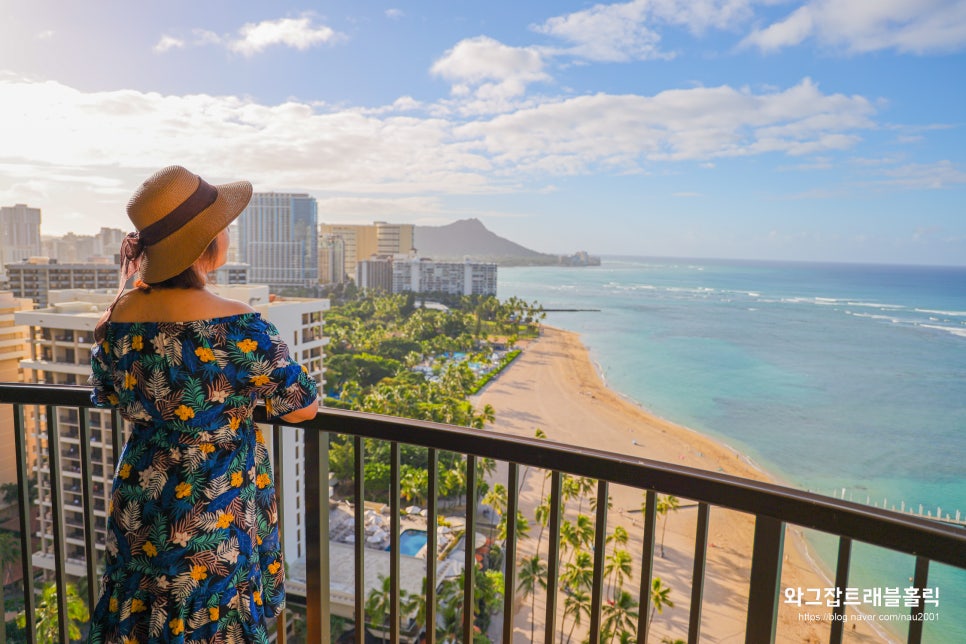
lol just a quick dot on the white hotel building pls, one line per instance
(409, 273)
(60, 339)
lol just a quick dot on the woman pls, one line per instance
(192, 549)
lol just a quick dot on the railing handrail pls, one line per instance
(922, 537)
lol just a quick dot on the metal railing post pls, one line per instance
(432, 546)
(394, 616)
(510, 549)
(647, 563)
(281, 631)
(919, 582)
(600, 543)
(469, 545)
(93, 578)
(26, 528)
(317, 535)
(697, 577)
(766, 574)
(553, 557)
(841, 582)
(359, 570)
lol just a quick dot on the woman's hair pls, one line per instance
(195, 275)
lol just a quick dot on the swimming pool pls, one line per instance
(411, 542)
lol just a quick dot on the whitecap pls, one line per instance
(960, 332)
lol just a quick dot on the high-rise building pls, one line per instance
(19, 233)
(37, 276)
(375, 274)
(364, 241)
(60, 339)
(107, 242)
(393, 239)
(229, 273)
(331, 259)
(73, 248)
(13, 349)
(278, 239)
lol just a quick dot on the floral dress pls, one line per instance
(193, 553)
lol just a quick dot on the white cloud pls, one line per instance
(856, 26)
(628, 31)
(394, 14)
(254, 38)
(167, 43)
(584, 133)
(489, 70)
(298, 33)
(65, 146)
(925, 176)
(607, 33)
(47, 34)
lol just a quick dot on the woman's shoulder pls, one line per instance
(176, 305)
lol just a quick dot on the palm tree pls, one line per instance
(569, 488)
(586, 486)
(666, 504)
(450, 600)
(577, 605)
(569, 539)
(47, 620)
(496, 498)
(660, 598)
(620, 614)
(416, 607)
(9, 554)
(593, 502)
(533, 574)
(413, 484)
(618, 567)
(618, 537)
(542, 515)
(377, 603)
(523, 527)
(579, 574)
(585, 531)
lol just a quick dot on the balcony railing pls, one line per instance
(773, 507)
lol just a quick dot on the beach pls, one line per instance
(554, 386)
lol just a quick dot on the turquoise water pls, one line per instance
(831, 377)
(411, 542)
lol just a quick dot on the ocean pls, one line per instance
(844, 379)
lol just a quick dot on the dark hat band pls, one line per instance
(203, 196)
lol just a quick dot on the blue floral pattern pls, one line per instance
(193, 553)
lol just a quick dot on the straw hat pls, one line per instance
(177, 214)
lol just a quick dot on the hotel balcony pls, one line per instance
(320, 591)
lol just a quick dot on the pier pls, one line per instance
(953, 519)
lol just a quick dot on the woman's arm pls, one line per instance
(305, 413)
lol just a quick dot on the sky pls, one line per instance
(816, 130)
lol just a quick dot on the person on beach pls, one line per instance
(193, 552)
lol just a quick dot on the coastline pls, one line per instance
(554, 386)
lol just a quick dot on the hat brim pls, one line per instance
(182, 248)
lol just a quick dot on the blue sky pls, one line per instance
(815, 130)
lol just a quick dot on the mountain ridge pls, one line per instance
(470, 238)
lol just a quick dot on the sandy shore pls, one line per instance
(554, 386)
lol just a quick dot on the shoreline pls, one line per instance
(555, 386)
